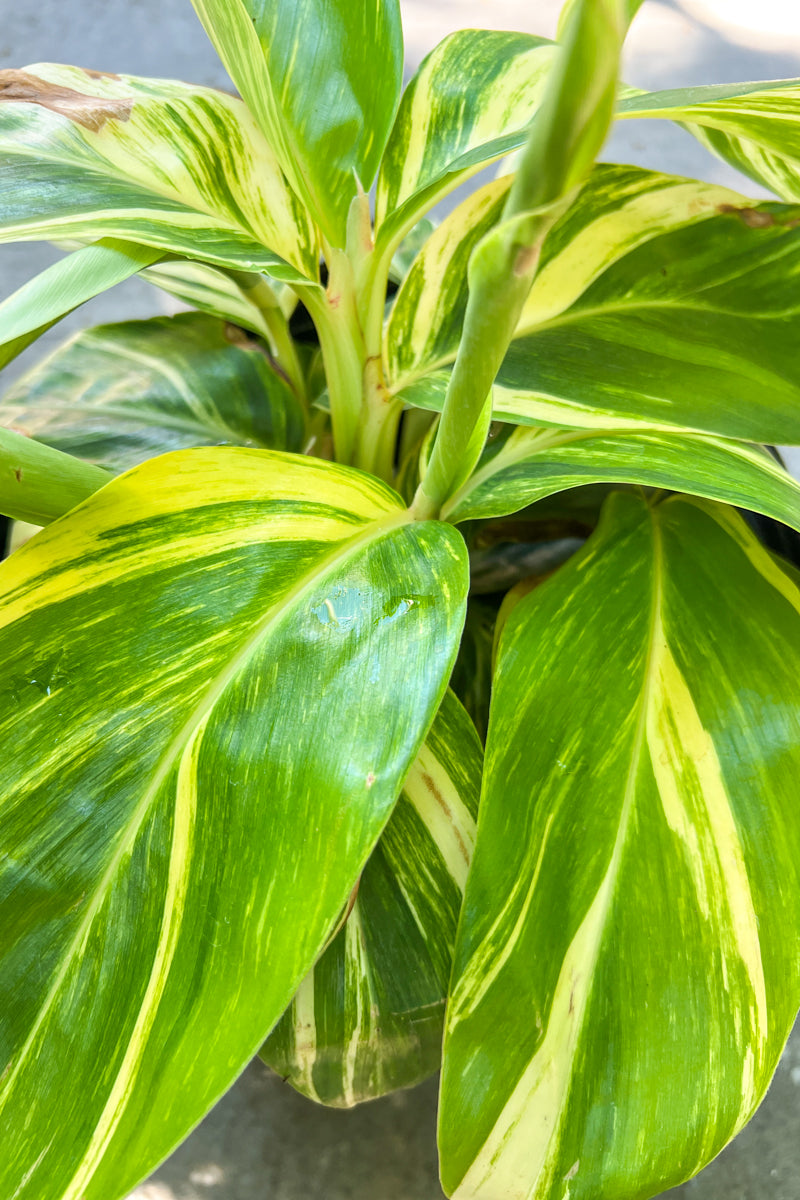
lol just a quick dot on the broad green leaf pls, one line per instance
(368, 1019)
(56, 291)
(217, 674)
(524, 465)
(628, 960)
(659, 302)
(167, 164)
(471, 101)
(753, 126)
(322, 77)
(38, 484)
(118, 394)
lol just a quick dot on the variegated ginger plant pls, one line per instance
(238, 799)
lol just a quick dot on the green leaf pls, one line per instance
(753, 126)
(369, 1017)
(628, 960)
(193, 793)
(471, 101)
(56, 291)
(659, 302)
(38, 484)
(524, 465)
(210, 290)
(322, 77)
(118, 394)
(166, 164)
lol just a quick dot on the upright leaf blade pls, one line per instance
(614, 1022)
(193, 793)
(118, 394)
(166, 164)
(369, 1017)
(471, 102)
(323, 78)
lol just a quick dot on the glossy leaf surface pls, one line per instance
(659, 301)
(194, 793)
(524, 465)
(369, 1018)
(56, 291)
(323, 78)
(166, 164)
(38, 484)
(753, 126)
(471, 102)
(214, 291)
(118, 394)
(627, 966)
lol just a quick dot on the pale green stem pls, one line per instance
(342, 344)
(281, 341)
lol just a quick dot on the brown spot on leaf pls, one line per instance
(371, 777)
(91, 112)
(440, 800)
(18, 474)
(99, 74)
(526, 259)
(754, 218)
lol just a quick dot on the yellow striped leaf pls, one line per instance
(167, 164)
(659, 302)
(214, 291)
(118, 394)
(753, 126)
(627, 967)
(521, 466)
(322, 77)
(368, 1018)
(193, 794)
(471, 101)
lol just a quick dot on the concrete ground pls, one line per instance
(263, 1142)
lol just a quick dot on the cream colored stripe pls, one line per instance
(357, 988)
(304, 1022)
(433, 794)
(172, 923)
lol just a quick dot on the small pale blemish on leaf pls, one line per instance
(91, 112)
(573, 1171)
(371, 777)
(754, 218)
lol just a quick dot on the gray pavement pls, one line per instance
(263, 1142)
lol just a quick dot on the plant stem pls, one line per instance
(282, 345)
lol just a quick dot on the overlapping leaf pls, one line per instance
(660, 302)
(323, 78)
(214, 291)
(119, 394)
(369, 1017)
(626, 969)
(471, 102)
(194, 792)
(166, 164)
(753, 126)
(70, 282)
(524, 465)
(38, 484)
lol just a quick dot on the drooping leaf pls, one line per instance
(471, 101)
(210, 290)
(118, 394)
(753, 126)
(322, 77)
(369, 1017)
(524, 465)
(627, 965)
(38, 484)
(167, 164)
(659, 301)
(56, 291)
(193, 792)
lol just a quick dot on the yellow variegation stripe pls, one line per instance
(376, 996)
(153, 160)
(635, 894)
(151, 868)
(471, 101)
